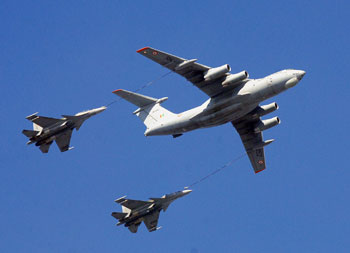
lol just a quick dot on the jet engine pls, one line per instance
(266, 124)
(47, 141)
(235, 78)
(264, 109)
(214, 73)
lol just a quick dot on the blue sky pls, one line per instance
(62, 57)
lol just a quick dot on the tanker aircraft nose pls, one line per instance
(297, 76)
(300, 74)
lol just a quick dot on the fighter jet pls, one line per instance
(46, 130)
(136, 211)
(233, 98)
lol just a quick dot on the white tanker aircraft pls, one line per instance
(233, 98)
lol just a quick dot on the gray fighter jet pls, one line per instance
(46, 130)
(233, 98)
(136, 211)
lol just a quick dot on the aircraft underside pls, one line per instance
(204, 120)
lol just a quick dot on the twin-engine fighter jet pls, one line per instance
(136, 211)
(46, 130)
(233, 98)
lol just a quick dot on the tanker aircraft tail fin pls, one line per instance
(150, 111)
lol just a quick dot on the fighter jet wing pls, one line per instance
(133, 204)
(45, 121)
(189, 69)
(151, 221)
(253, 142)
(45, 147)
(63, 140)
(133, 227)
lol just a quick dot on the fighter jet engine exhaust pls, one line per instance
(235, 78)
(214, 73)
(266, 124)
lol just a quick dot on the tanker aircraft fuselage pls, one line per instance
(230, 106)
(233, 98)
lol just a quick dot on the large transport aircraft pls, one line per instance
(233, 98)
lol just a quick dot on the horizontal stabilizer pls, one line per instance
(30, 133)
(135, 98)
(119, 216)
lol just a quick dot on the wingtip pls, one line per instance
(142, 49)
(32, 116)
(116, 91)
(256, 172)
(120, 199)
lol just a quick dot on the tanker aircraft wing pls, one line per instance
(63, 140)
(252, 141)
(192, 71)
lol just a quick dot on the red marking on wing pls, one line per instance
(117, 90)
(142, 49)
(259, 171)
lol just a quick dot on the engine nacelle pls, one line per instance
(51, 139)
(266, 124)
(214, 73)
(264, 109)
(235, 78)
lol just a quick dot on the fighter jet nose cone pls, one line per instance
(186, 191)
(102, 108)
(98, 110)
